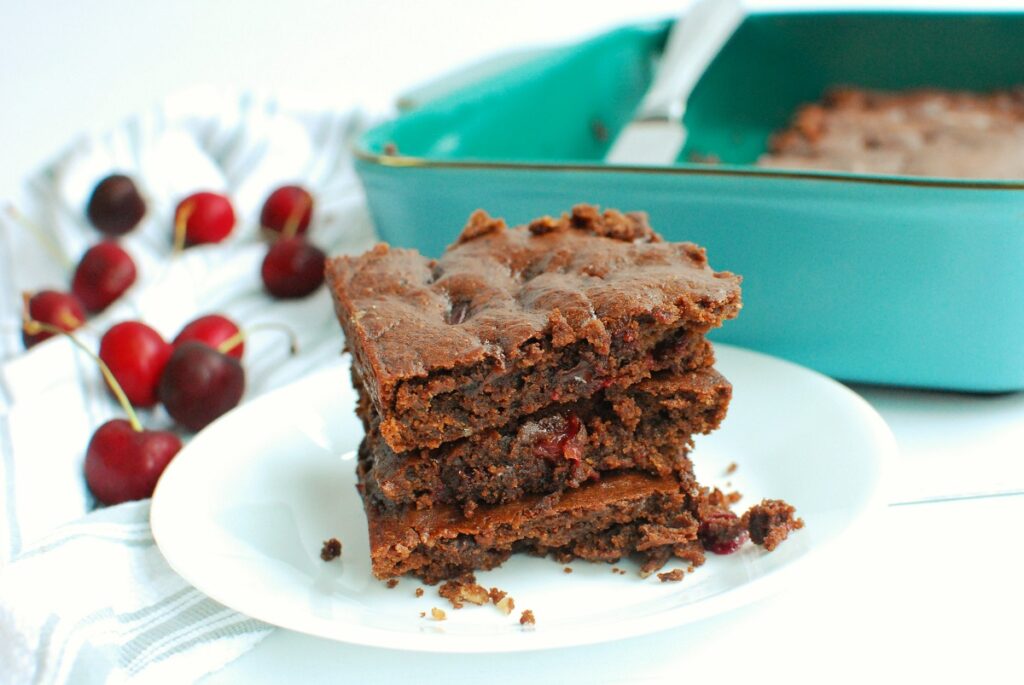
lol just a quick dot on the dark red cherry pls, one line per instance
(199, 384)
(203, 217)
(115, 206)
(287, 211)
(136, 355)
(293, 268)
(103, 274)
(213, 330)
(53, 307)
(124, 464)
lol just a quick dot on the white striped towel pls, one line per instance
(85, 595)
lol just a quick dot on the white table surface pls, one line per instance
(938, 597)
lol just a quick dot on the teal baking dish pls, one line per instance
(880, 279)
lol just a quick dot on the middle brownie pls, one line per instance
(647, 427)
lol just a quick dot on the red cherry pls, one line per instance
(288, 211)
(124, 464)
(213, 330)
(62, 310)
(102, 276)
(115, 206)
(293, 268)
(200, 384)
(203, 218)
(136, 355)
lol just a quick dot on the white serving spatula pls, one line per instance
(656, 134)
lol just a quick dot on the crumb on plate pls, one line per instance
(462, 590)
(331, 549)
(673, 576)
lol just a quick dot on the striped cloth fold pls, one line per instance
(85, 595)
(95, 602)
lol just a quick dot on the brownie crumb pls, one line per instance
(527, 618)
(423, 614)
(770, 522)
(723, 499)
(731, 468)
(390, 149)
(419, 592)
(567, 570)
(392, 583)
(673, 576)
(331, 549)
(437, 614)
(721, 531)
(506, 605)
(496, 595)
(463, 590)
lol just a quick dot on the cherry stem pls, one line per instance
(181, 225)
(240, 337)
(291, 225)
(41, 235)
(33, 327)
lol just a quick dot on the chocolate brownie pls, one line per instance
(647, 427)
(917, 132)
(626, 513)
(508, 321)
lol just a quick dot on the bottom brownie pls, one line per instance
(628, 513)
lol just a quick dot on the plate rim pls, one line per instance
(760, 587)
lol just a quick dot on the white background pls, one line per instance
(938, 598)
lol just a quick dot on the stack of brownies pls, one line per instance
(536, 389)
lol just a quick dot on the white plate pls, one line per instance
(242, 512)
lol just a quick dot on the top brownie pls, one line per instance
(510, 320)
(917, 132)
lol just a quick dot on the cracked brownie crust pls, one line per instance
(647, 427)
(508, 321)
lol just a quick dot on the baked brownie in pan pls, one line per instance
(647, 427)
(627, 513)
(915, 132)
(508, 321)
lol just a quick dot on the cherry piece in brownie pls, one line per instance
(646, 427)
(509, 321)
